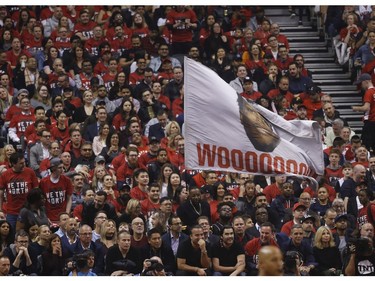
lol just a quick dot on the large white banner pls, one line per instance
(224, 132)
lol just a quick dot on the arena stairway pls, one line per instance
(319, 57)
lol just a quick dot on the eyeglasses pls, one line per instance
(23, 241)
(46, 136)
(137, 223)
(86, 149)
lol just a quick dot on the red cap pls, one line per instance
(298, 205)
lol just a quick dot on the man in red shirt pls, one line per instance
(283, 90)
(182, 22)
(152, 203)
(16, 183)
(368, 131)
(57, 190)
(19, 123)
(84, 27)
(252, 248)
(272, 190)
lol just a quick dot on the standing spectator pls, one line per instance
(58, 191)
(181, 21)
(368, 137)
(16, 183)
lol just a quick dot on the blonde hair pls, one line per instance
(9, 99)
(132, 203)
(318, 237)
(103, 231)
(168, 128)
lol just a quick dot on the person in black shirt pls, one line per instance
(228, 256)
(193, 255)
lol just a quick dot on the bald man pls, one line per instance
(270, 261)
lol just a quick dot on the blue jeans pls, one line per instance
(12, 219)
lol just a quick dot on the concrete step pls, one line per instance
(345, 100)
(295, 28)
(329, 76)
(312, 38)
(342, 93)
(323, 60)
(332, 82)
(339, 88)
(311, 55)
(308, 44)
(298, 34)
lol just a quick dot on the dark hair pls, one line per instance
(153, 231)
(224, 228)
(52, 237)
(15, 157)
(169, 186)
(102, 193)
(215, 187)
(268, 224)
(34, 196)
(9, 239)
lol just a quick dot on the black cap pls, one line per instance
(55, 162)
(68, 89)
(308, 217)
(153, 139)
(314, 90)
(341, 217)
(124, 187)
(247, 79)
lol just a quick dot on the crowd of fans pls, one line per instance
(92, 169)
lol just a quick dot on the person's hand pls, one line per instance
(352, 249)
(224, 38)
(202, 245)
(201, 272)
(304, 269)
(20, 251)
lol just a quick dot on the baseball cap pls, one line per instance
(308, 217)
(99, 159)
(297, 205)
(68, 89)
(124, 187)
(153, 139)
(314, 90)
(362, 77)
(247, 79)
(55, 162)
(340, 217)
(268, 56)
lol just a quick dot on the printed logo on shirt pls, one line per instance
(15, 188)
(56, 197)
(365, 267)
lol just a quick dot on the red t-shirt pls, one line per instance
(137, 193)
(370, 98)
(253, 96)
(181, 33)
(148, 208)
(21, 122)
(56, 195)
(271, 191)
(16, 186)
(276, 92)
